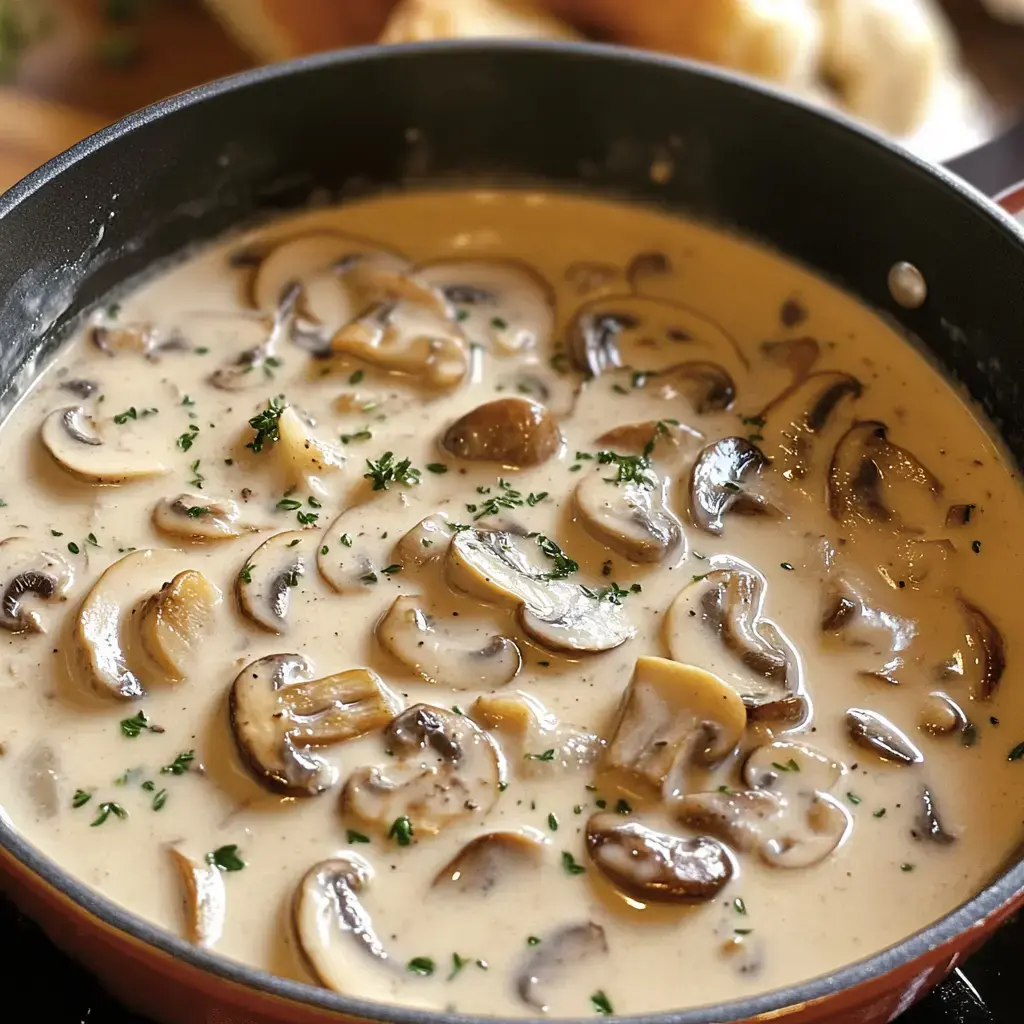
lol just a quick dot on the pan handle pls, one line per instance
(997, 167)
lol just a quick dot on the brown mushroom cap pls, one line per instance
(29, 574)
(279, 714)
(721, 482)
(656, 867)
(445, 769)
(488, 860)
(986, 648)
(928, 823)
(873, 732)
(515, 432)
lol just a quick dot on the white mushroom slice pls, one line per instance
(198, 517)
(718, 619)
(657, 867)
(172, 622)
(70, 436)
(102, 625)
(355, 549)
(426, 542)
(251, 367)
(502, 304)
(279, 713)
(335, 931)
(516, 432)
(791, 769)
(265, 584)
(673, 717)
(303, 455)
(493, 566)
(540, 744)
(30, 574)
(630, 519)
(205, 898)
(555, 955)
(409, 338)
(447, 769)
(445, 653)
(489, 860)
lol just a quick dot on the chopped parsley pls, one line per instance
(307, 518)
(458, 962)
(548, 755)
(401, 831)
(345, 540)
(420, 965)
(245, 573)
(613, 593)
(853, 798)
(359, 435)
(906, 867)
(623, 807)
(186, 440)
(74, 548)
(226, 858)
(880, 813)
(386, 471)
(630, 469)
(1017, 753)
(195, 511)
(436, 467)
(105, 810)
(132, 727)
(739, 906)
(570, 864)
(180, 764)
(789, 766)
(390, 570)
(533, 940)
(289, 504)
(601, 1003)
(553, 822)
(159, 800)
(356, 377)
(352, 836)
(787, 565)
(563, 564)
(80, 798)
(197, 477)
(266, 424)
(508, 497)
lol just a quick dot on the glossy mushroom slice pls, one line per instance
(873, 480)
(503, 305)
(795, 419)
(449, 653)
(71, 437)
(985, 654)
(656, 867)
(355, 550)
(719, 618)
(493, 566)
(205, 898)
(488, 861)
(29, 575)
(407, 338)
(173, 622)
(446, 769)
(513, 432)
(280, 714)
(722, 482)
(632, 519)
(645, 333)
(798, 355)
(537, 742)
(555, 956)
(199, 517)
(304, 456)
(940, 715)
(102, 626)
(272, 572)
(928, 824)
(873, 732)
(659, 440)
(251, 366)
(426, 542)
(335, 931)
(673, 719)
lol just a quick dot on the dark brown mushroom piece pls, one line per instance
(29, 575)
(708, 386)
(940, 715)
(79, 387)
(927, 823)
(792, 420)
(868, 471)
(740, 817)
(986, 649)
(798, 355)
(556, 954)
(654, 866)
(647, 264)
(136, 338)
(588, 276)
(720, 484)
(792, 312)
(280, 714)
(489, 860)
(515, 432)
(959, 515)
(645, 333)
(873, 732)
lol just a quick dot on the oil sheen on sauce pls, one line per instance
(801, 507)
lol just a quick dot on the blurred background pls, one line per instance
(942, 75)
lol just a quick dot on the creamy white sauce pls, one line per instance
(769, 926)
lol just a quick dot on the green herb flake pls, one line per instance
(420, 965)
(906, 867)
(601, 1003)
(787, 566)
(352, 836)
(533, 940)
(289, 504)
(80, 799)
(266, 424)
(739, 906)
(553, 822)
(159, 800)
(548, 755)
(401, 831)
(324, 550)
(123, 417)
(132, 727)
(386, 471)
(180, 764)
(226, 858)
(105, 810)
(570, 864)
(356, 377)
(186, 440)
(623, 807)
(458, 962)
(346, 540)
(359, 435)
(437, 467)
(245, 573)
(74, 548)
(853, 798)
(880, 813)
(1017, 753)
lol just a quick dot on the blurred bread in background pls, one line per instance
(415, 20)
(1009, 10)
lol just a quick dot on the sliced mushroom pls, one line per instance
(70, 436)
(198, 517)
(986, 649)
(492, 565)
(644, 333)
(102, 625)
(940, 715)
(632, 519)
(279, 713)
(80, 387)
(140, 339)
(790, 768)
(798, 355)
(659, 439)
(647, 264)
(791, 421)
(864, 462)
(303, 455)
(502, 304)
(873, 732)
(425, 542)
(335, 931)
(721, 480)
(42, 779)
(443, 653)
(173, 621)
(928, 825)
(515, 432)
(673, 717)
(354, 550)
(657, 867)
(725, 606)
(528, 730)
(29, 574)
(740, 817)
(708, 386)
(489, 860)
(959, 515)
(447, 769)
(408, 338)
(265, 584)
(557, 954)
(205, 898)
